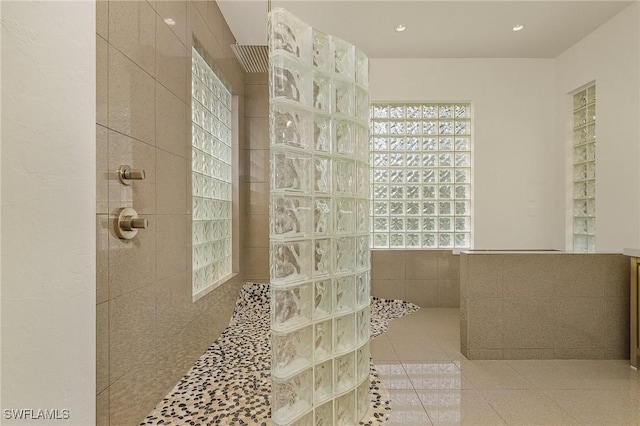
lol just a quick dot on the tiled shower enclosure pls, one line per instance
(319, 226)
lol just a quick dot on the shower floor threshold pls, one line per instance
(231, 382)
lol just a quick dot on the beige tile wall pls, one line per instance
(149, 332)
(428, 278)
(544, 306)
(256, 178)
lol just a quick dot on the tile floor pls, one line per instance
(431, 382)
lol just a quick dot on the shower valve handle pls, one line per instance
(128, 223)
(126, 174)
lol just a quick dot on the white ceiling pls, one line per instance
(435, 29)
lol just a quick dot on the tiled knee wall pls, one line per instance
(544, 306)
(428, 278)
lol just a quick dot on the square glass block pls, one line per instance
(429, 144)
(321, 133)
(362, 105)
(380, 111)
(462, 240)
(363, 146)
(292, 397)
(429, 240)
(363, 399)
(344, 372)
(321, 175)
(321, 51)
(344, 177)
(291, 306)
(344, 58)
(362, 215)
(396, 111)
(288, 34)
(322, 299)
(345, 140)
(344, 335)
(290, 216)
(396, 208)
(363, 362)
(345, 409)
(380, 240)
(380, 127)
(345, 215)
(380, 208)
(344, 101)
(580, 100)
(324, 414)
(321, 92)
(322, 340)
(591, 94)
(290, 172)
(396, 240)
(363, 322)
(445, 240)
(290, 261)
(291, 352)
(322, 217)
(580, 225)
(290, 126)
(291, 81)
(580, 243)
(397, 127)
(323, 382)
(344, 249)
(344, 293)
(362, 289)
(380, 144)
(322, 258)
(362, 69)
(362, 252)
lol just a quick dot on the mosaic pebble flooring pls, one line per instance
(231, 383)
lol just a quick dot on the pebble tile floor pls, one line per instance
(231, 384)
(431, 382)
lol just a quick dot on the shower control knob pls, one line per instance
(128, 223)
(126, 174)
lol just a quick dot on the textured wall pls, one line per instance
(149, 332)
(47, 208)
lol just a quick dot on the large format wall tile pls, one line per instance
(172, 61)
(171, 123)
(132, 27)
(131, 331)
(154, 330)
(131, 98)
(141, 194)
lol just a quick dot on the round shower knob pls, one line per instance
(128, 223)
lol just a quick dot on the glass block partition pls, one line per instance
(421, 175)
(584, 170)
(319, 226)
(211, 176)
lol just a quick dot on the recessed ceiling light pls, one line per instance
(169, 21)
(400, 28)
(518, 27)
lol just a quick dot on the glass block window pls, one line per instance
(584, 170)
(211, 176)
(421, 175)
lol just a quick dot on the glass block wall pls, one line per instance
(211, 176)
(319, 225)
(584, 170)
(421, 175)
